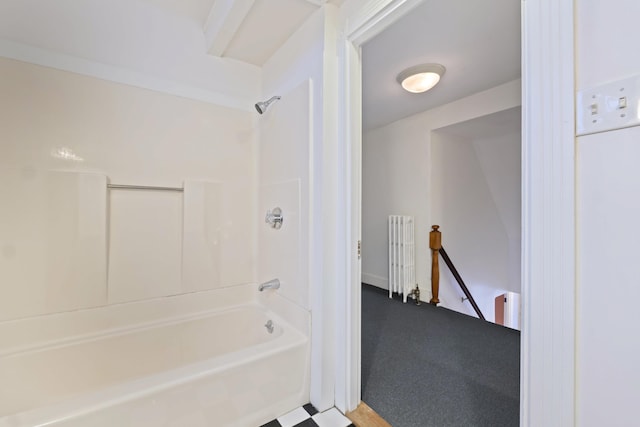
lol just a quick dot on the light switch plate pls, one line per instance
(607, 107)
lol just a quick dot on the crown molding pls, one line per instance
(64, 62)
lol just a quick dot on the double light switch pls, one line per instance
(607, 107)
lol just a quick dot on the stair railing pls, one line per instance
(435, 243)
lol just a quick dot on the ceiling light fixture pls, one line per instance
(420, 78)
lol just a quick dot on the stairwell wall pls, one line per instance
(474, 235)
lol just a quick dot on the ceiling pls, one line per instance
(252, 30)
(246, 30)
(477, 41)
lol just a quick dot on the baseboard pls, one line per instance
(377, 281)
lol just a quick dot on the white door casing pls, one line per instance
(548, 204)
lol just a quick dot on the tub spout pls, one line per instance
(271, 284)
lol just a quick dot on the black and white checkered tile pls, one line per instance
(308, 416)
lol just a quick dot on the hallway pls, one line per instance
(426, 366)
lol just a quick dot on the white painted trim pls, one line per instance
(334, 257)
(316, 2)
(372, 18)
(548, 215)
(353, 202)
(46, 58)
(375, 17)
(223, 23)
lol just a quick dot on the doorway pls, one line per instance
(436, 165)
(548, 176)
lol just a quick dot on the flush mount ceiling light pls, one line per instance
(420, 78)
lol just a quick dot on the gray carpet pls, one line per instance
(424, 366)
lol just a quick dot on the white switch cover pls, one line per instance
(607, 107)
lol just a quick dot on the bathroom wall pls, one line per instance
(398, 179)
(291, 151)
(287, 140)
(284, 183)
(66, 242)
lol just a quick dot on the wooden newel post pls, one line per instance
(435, 243)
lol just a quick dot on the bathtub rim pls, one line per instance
(113, 395)
(22, 332)
(123, 330)
(22, 335)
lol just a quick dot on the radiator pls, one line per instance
(402, 254)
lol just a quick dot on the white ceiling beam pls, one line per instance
(223, 23)
(316, 2)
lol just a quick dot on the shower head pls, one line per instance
(262, 106)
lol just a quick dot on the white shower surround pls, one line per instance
(197, 360)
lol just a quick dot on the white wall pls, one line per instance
(500, 160)
(292, 149)
(397, 180)
(474, 236)
(607, 377)
(61, 231)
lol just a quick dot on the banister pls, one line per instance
(435, 243)
(464, 288)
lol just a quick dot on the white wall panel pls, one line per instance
(300, 62)
(145, 244)
(217, 244)
(285, 141)
(53, 241)
(52, 120)
(202, 235)
(281, 250)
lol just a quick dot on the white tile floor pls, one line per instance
(294, 417)
(308, 416)
(331, 418)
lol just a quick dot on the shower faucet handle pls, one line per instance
(274, 218)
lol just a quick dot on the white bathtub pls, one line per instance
(217, 367)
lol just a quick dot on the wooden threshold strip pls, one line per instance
(364, 416)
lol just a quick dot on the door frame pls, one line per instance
(548, 204)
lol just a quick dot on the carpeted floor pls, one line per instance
(424, 366)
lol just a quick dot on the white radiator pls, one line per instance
(402, 254)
